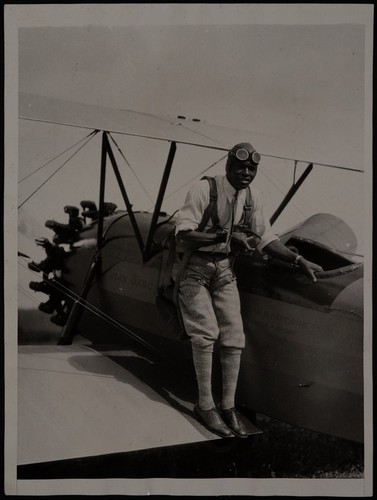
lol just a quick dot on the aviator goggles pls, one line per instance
(243, 154)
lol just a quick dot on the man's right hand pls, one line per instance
(221, 236)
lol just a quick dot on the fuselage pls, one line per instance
(303, 361)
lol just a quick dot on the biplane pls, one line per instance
(107, 267)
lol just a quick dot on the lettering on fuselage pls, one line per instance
(133, 279)
(139, 282)
(141, 285)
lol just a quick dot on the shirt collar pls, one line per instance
(230, 191)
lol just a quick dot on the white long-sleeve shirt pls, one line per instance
(197, 200)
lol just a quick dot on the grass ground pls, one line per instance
(287, 451)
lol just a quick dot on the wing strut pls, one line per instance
(160, 198)
(75, 316)
(135, 226)
(69, 330)
(292, 191)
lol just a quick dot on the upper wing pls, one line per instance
(122, 121)
(178, 129)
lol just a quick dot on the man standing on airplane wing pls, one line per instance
(208, 224)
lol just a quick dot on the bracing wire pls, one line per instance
(102, 315)
(263, 171)
(55, 157)
(270, 178)
(57, 170)
(294, 172)
(190, 143)
(129, 166)
(197, 175)
(313, 162)
(61, 288)
(28, 294)
(200, 134)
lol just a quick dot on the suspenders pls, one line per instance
(209, 213)
(211, 210)
(248, 208)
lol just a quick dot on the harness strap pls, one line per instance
(181, 267)
(211, 209)
(210, 213)
(248, 208)
(168, 260)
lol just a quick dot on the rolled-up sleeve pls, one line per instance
(190, 215)
(260, 223)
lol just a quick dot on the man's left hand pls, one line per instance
(241, 243)
(309, 268)
(241, 240)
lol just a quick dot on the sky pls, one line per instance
(295, 90)
(300, 84)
